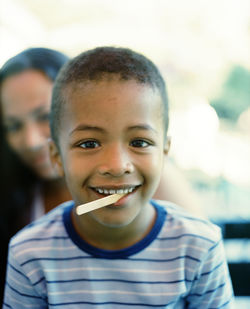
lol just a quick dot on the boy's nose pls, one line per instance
(116, 162)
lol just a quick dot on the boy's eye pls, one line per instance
(89, 144)
(140, 143)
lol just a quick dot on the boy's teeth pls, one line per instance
(113, 191)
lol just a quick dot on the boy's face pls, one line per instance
(112, 138)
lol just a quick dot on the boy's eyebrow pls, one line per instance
(146, 127)
(84, 127)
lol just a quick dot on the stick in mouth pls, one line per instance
(107, 200)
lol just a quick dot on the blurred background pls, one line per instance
(202, 48)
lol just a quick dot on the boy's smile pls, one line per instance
(112, 141)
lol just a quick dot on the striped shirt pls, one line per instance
(179, 264)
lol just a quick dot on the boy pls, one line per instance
(109, 125)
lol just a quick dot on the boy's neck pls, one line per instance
(115, 238)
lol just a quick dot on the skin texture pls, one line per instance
(25, 101)
(112, 136)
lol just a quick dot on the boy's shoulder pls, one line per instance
(47, 226)
(182, 224)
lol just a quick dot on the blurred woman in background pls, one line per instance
(29, 185)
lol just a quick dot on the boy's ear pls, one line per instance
(167, 145)
(56, 158)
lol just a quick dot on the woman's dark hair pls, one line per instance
(18, 182)
(45, 60)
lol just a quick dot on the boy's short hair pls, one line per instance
(97, 64)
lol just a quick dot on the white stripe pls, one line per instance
(177, 248)
(101, 269)
(174, 227)
(210, 281)
(23, 304)
(19, 283)
(219, 299)
(33, 271)
(37, 249)
(45, 231)
(212, 261)
(114, 292)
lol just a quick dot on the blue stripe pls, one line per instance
(39, 222)
(185, 235)
(209, 291)
(166, 260)
(22, 294)
(7, 305)
(128, 259)
(135, 282)
(112, 303)
(19, 272)
(38, 281)
(56, 259)
(38, 239)
(215, 245)
(16, 270)
(212, 270)
(226, 303)
(197, 220)
(168, 219)
(118, 280)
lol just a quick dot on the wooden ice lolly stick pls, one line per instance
(107, 200)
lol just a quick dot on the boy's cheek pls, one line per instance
(75, 171)
(153, 169)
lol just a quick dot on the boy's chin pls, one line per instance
(114, 221)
